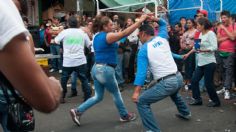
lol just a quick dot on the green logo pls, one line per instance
(74, 40)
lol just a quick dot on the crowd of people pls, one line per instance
(106, 53)
(203, 52)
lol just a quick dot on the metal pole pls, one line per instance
(201, 4)
(168, 6)
(185, 9)
(156, 4)
(143, 3)
(125, 12)
(221, 5)
(98, 10)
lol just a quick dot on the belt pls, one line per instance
(105, 64)
(154, 82)
(168, 76)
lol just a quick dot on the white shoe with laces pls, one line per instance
(186, 87)
(227, 95)
(221, 91)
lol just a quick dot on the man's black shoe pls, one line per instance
(194, 102)
(213, 104)
(72, 95)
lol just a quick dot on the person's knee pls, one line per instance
(141, 101)
(98, 98)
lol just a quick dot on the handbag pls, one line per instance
(20, 114)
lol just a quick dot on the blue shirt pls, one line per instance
(104, 52)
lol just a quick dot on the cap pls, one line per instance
(204, 12)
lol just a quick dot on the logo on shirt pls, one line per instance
(75, 40)
(156, 42)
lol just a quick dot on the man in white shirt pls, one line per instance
(74, 59)
(18, 63)
(155, 54)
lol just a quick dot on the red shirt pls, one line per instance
(197, 34)
(47, 35)
(227, 45)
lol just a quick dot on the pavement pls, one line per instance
(104, 117)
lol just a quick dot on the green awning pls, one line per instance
(110, 3)
(117, 3)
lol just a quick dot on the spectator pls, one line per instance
(42, 29)
(55, 49)
(187, 44)
(115, 18)
(174, 41)
(183, 23)
(47, 36)
(226, 38)
(117, 27)
(133, 43)
(206, 64)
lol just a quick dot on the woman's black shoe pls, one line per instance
(194, 102)
(213, 104)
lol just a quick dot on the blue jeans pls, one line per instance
(57, 62)
(74, 82)
(81, 71)
(104, 77)
(119, 69)
(161, 90)
(208, 72)
(3, 116)
(189, 66)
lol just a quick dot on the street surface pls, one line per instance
(104, 117)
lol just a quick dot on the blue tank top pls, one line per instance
(104, 52)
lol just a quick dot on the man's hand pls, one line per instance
(135, 97)
(136, 94)
(185, 56)
(143, 18)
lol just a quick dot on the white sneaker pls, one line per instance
(75, 117)
(221, 91)
(60, 71)
(186, 87)
(227, 95)
(68, 85)
(52, 70)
